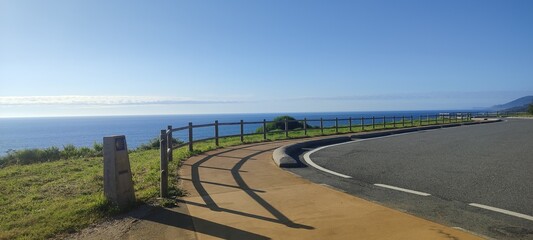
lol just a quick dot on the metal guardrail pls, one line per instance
(364, 123)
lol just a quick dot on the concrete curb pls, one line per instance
(282, 155)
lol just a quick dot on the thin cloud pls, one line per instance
(104, 100)
(417, 96)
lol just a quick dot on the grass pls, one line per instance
(43, 199)
(47, 198)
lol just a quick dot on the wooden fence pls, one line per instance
(362, 123)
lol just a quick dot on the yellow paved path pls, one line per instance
(239, 193)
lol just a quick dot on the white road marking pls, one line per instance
(308, 160)
(511, 213)
(403, 189)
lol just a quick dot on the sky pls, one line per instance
(80, 58)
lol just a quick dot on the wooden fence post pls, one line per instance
(286, 127)
(403, 121)
(321, 126)
(384, 122)
(242, 131)
(216, 133)
(264, 129)
(394, 122)
(305, 126)
(362, 123)
(350, 123)
(169, 143)
(163, 186)
(190, 137)
(373, 122)
(336, 125)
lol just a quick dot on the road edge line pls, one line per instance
(499, 210)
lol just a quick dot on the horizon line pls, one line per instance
(239, 113)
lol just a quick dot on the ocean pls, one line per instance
(24, 133)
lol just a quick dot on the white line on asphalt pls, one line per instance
(511, 213)
(403, 190)
(308, 160)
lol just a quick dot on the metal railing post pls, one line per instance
(384, 122)
(412, 121)
(169, 143)
(163, 186)
(190, 137)
(350, 123)
(403, 121)
(394, 122)
(362, 123)
(216, 133)
(336, 125)
(373, 122)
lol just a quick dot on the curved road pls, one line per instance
(488, 164)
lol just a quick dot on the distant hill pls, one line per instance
(518, 105)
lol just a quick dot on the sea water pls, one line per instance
(23, 133)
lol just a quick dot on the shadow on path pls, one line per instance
(235, 171)
(185, 221)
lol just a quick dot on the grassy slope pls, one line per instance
(40, 200)
(44, 199)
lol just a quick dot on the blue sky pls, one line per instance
(61, 58)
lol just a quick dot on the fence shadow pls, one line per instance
(278, 217)
(185, 221)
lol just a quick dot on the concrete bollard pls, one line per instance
(118, 183)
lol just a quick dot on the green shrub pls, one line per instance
(29, 156)
(154, 144)
(51, 154)
(98, 148)
(69, 151)
(278, 124)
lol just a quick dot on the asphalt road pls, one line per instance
(488, 164)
